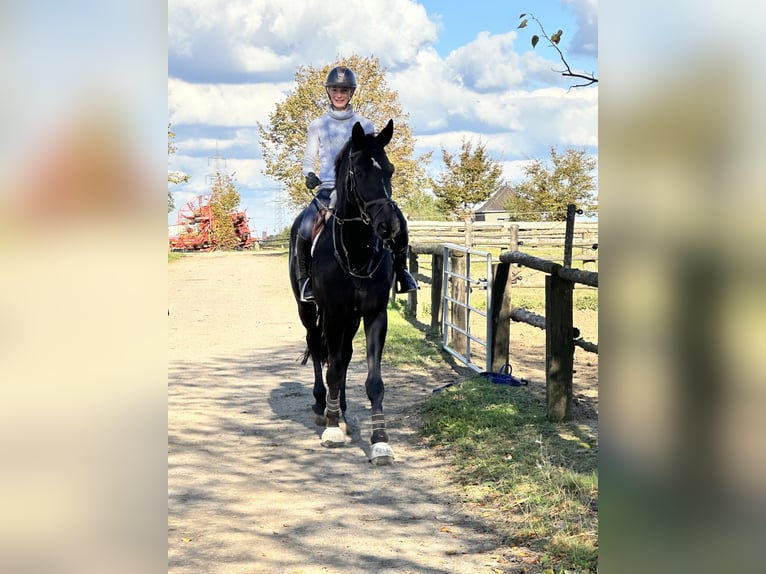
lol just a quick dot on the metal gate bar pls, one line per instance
(450, 277)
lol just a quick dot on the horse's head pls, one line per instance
(367, 186)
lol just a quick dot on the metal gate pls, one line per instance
(463, 311)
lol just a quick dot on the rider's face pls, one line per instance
(339, 96)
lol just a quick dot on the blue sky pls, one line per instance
(462, 70)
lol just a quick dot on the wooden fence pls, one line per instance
(427, 238)
(561, 335)
(488, 235)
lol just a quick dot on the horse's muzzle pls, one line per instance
(388, 228)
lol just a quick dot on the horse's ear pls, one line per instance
(357, 135)
(386, 134)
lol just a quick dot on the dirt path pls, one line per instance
(250, 489)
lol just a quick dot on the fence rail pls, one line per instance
(561, 335)
(502, 234)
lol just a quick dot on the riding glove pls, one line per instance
(312, 180)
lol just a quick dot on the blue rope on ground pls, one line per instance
(502, 377)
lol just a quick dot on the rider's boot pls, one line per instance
(405, 282)
(303, 256)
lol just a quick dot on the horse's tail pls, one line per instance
(315, 343)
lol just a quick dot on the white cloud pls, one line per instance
(223, 104)
(585, 39)
(244, 137)
(274, 37)
(426, 89)
(488, 63)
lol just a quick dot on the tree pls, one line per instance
(469, 179)
(284, 138)
(174, 177)
(223, 202)
(546, 192)
(424, 206)
(554, 42)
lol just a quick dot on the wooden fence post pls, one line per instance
(569, 235)
(459, 315)
(412, 298)
(559, 345)
(437, 274)
(468, 230)
(501, 316)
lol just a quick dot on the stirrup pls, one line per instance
(307, 293)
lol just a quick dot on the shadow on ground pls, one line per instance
(252, 490)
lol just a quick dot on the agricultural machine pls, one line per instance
(195, 222)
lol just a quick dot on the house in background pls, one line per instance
(492, 210)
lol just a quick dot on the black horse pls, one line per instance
(352, 274)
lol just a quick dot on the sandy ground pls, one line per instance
(250, 488)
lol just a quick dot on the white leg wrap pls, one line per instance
(382, 454)
(333, 437)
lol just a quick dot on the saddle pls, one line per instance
(321, 217)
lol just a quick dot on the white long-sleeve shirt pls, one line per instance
(326, 137)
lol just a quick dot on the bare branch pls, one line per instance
(554, 41)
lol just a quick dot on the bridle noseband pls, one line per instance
(366, 214)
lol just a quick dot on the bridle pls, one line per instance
(366, 216)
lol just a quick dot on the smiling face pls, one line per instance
(339, 97)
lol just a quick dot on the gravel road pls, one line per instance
(250, 488)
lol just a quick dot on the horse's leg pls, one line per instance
(375, 331)
(333, 435)
(320, 392)
(308, 314)
(348, 352)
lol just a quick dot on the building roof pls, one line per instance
(496, 200)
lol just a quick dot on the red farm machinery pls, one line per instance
(195, 228)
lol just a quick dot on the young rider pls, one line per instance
(326, 137)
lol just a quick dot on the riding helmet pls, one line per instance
(341, 77)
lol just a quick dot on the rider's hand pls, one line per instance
(312, 180)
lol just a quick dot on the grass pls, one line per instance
(174, 256)
(405, 344)
(534, 299)
(536, 479)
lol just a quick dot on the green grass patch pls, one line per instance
(406, 345)
(540, 477)
(174, 256)
(534, 299)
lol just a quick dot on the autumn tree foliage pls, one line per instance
(174, 177)
(223, 202)
(283, 139)
(470, 177)
(549, 188)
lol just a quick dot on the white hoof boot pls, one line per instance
(333, 437)
(382, 454)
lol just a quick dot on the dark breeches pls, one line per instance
(310, 213)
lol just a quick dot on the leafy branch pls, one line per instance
(554, 40)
